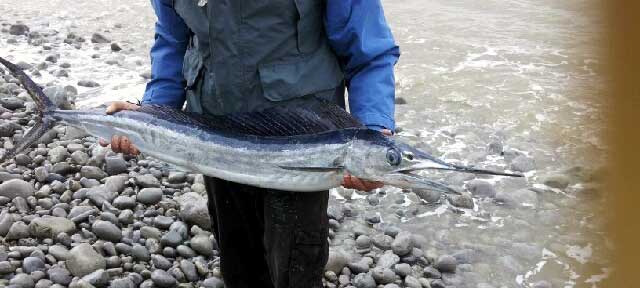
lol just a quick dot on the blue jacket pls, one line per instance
(357, 32)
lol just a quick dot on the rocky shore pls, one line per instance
(75, 214)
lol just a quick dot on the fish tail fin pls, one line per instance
(31, 137)
(43, 103)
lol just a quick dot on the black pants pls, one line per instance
(269, 238)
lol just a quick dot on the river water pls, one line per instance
(521, 75)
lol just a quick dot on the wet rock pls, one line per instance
(59, 252)
(12, 103)
(402, 244)
(495, 148)
(99, 38)
(430, 196)
(523, 163)
(6, 268)
(18, 29)
(31, 264)
(177, 177)
(50, 227)
(520, 197)
(461, 201)
(140, 253)
(412, 282)
(115, 183)
(23, 160)
(60, 96)
(446, 264)
(106, 230)
(402, 269)
(337, 260)
(6, 220)
(16, 188)
(124, 202)
(362, 266)
(400, 101)
(363, 280)
(556, 181)
(481, 188)
(88, 83)
(122, 283)
(391, 230)
(80, 157)
(60, 275)
(115, 47)
(84, 260)
(193, 210)
(149, 196)
(363, 244)
(163, 279)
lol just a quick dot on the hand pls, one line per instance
(119, 143)
(353, 182)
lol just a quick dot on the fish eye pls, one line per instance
(393, 157)
(408, 155)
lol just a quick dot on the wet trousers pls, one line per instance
(269, 238)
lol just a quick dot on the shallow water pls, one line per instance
(524, 74)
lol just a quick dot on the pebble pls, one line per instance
(461, 201)
(149, 196)
(364, 280)
(18, 230)
(106, 230)
(520, 197)
(163, 279)
(446, 264)
(83, 259)
(140, 253)
(213, 282)
(388, 259)
(92, 172)
(556, 181)
(115, 165)
(429, 196)
(194, 210)
(412, 282)
(22, 280)
(402, 269)
(16, 188)
(337, 260)
(383, 275)
(523, 164)
(481, 188)
(18, 29)
(402, 244)
(49, 227)
(31, 264)
(202, 244)
(147, 181)
(59, 275)
(99, 38)
(98, 278)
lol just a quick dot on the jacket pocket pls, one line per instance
(310, 25)
(306, 75)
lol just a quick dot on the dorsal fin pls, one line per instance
(287, 120)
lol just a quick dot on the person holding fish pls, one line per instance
(223, 57)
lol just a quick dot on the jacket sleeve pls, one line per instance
(359, 35)
(166, 86)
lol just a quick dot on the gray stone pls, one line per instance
(163, 279)
(520, 197)
(115, 183)
(364, 280)
(177, 177)
(189, 270)
(92, 172)
(88, 83)
(80, 157)
(99, 38)
(122, 283)
(556, 181)
(106, 230)
(59, 275)
(59, 252)
(45, 283)
(49, 227)
(18, 230)
(12, 103)
(213, 282)
(387, 260)
(16, 188)
(6, 268)
(31, 264)
(461, 201)
(446, 264)
(430, 196)
(402, 269)
(403, 244)
(147, 181)
(541, 284)
(383, 275)
(140, 253)
(58, 154)
(523, 164)
(382, 241)
(84, 260)
(481, 188)
(337, 260)
(149, 196)
(412, 282)
(115, 165)
(18, 29)
(202, 244)
(6, 220)
(362, 266)
(98, 278)
(193, 210)
(160, 262)
(124, 202)
(172, 239)
(23, 281)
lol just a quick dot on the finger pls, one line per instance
(115, 143)
(134, 150)
(114, 107)
(103, 142)
(387, 132)
(357, 184)
(125, 145)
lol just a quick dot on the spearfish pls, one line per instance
(293, 148)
